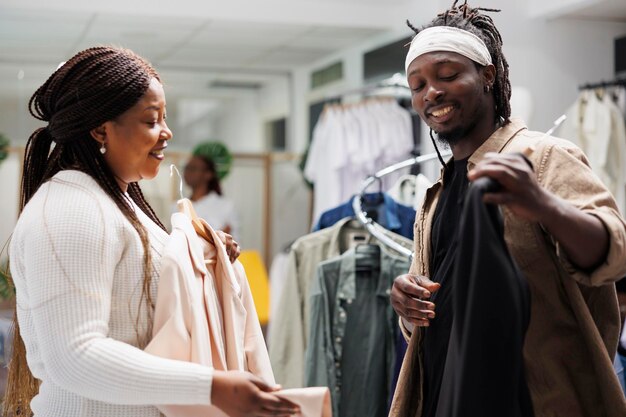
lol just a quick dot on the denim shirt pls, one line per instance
(395, 216)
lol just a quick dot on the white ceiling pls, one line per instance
(189, 42)
(608, 10)
(194, 42)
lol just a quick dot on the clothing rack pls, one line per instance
(603, 84)
(394, 86)
(371, 226)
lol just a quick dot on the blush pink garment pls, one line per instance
(313, 401)
(205, 314)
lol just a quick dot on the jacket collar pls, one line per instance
(346, 284)
(495, 143)
(182, 223)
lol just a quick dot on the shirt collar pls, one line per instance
(495, 143)
(346, 284)
(391, 210)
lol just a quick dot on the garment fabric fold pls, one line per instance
(205, 314)
(484, 370)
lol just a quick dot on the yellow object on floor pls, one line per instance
(259, 284)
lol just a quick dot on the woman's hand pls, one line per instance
(241, 394)
(409, 296)
(232, 247)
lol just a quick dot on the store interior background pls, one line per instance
(235, 69)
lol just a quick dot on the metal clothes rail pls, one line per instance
(374, 228)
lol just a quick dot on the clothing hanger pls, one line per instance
(186, 207)
(367, 257)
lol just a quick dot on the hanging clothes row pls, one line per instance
(349, 142)
(334, 324)
(596, 123)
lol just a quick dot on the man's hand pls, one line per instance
(582, 235)
(521, 193)
(241, 394)
(409, 296)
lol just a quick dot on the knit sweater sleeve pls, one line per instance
(71, 248)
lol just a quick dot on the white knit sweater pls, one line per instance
(78, 270)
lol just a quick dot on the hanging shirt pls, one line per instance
(444, 244)
(410, 190)
(349, 143)
(352, 340)
(205, 314)
(394, 216)
(327, 156)
(484, 370)
(596, 125)
(289, 331)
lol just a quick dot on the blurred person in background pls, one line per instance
(201, 175)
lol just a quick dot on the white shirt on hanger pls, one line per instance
(596, 125)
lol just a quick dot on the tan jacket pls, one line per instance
(205, 313)
(573, 331)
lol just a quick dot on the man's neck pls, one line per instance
(465, 147)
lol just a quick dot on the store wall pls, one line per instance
(15, 121)
(551, 8)
(548, 58)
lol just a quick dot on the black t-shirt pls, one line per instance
(443, 251)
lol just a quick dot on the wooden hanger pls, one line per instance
(186, 207)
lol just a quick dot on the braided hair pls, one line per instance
(96, 85)
(470, 19)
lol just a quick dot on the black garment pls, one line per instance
(444, 248)
(484, 373)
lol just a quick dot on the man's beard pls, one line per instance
(452, 137)
(455, 135)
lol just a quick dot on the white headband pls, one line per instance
(448, 39)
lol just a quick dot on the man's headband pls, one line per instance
(448, 39)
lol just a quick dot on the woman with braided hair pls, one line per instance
(562, 229)
(85, 255)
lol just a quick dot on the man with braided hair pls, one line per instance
(561, 227)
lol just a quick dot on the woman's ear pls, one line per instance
(99, 134)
